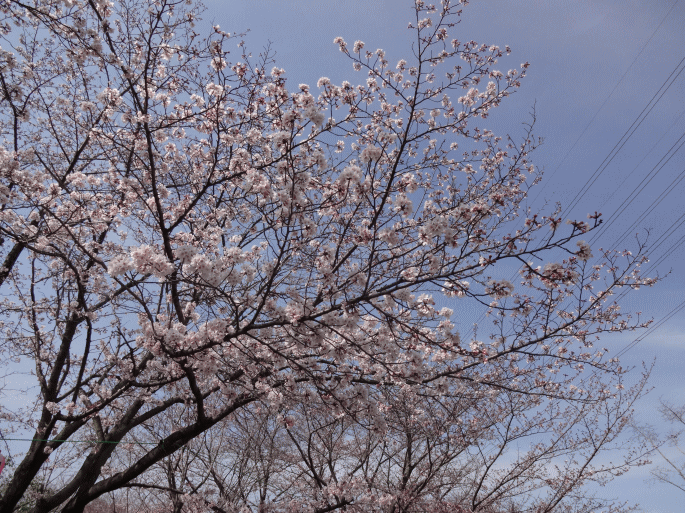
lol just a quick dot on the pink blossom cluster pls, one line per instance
(307, 249)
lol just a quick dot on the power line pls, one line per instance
(646, 155)
(673, 247)
(651, 330)
(619, 145)
(669, 189)
(648, 178)
(616, 149)
(607, 98)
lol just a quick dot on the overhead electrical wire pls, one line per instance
(636, 124)
(655, 245)
(653, 205)
(667, 233)
(663, 238)
(651, 330)
(635, 192)
(672, 247)
(637, 166)
(614, 151)
(607, 98)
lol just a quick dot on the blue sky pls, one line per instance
(590, 83)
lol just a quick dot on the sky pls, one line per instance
(596, 66)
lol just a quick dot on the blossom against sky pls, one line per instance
(606, 84)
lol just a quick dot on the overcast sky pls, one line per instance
(592, 76)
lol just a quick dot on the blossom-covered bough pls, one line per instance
(186, 233)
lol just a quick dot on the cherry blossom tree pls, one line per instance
(455, 454)
(185, 232)
(668, 446)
